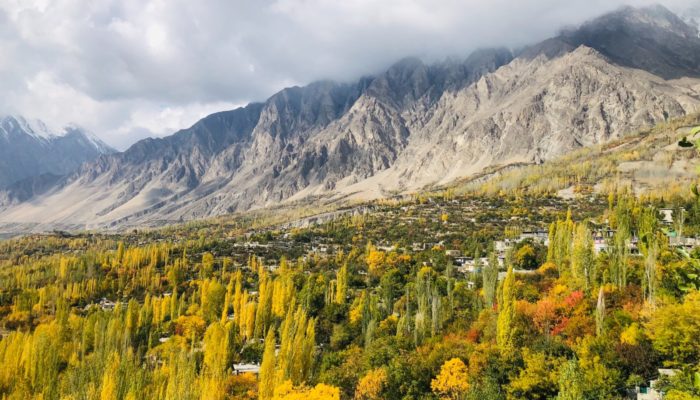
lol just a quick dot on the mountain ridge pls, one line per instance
(413, 126)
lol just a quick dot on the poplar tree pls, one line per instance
(490, 280)
(266, 387)
(341, 288)
(237, 298)
(600, 312)
(262, 317)
(583, 256)
(506, 314)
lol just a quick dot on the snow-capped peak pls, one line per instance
(101, 146)
(33, 127)
(15, 124)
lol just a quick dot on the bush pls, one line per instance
(685, 143)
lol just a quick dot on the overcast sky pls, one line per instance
(126, 69)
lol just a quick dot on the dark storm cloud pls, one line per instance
(128, 68)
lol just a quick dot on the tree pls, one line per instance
(213, 297)
(600, 313)
(583, 256)
(526, 257)
(538, 380)
(620, 248)
(490, 278)
(371, 385)
(674, 330)
(341, 290)
(571, 382)
(506, 316)
(452, 381)
(207, 264)
(287, 391)
(375, 260)
(110, 379)
(649, 247)
(297, 347)
(267, 368)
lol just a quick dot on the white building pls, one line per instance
(650, 392)
(243, 368)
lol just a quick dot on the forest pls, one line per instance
(438, 296)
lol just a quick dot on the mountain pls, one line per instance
(412, 127)
(652, 39)
(29, 149)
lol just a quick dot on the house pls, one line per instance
(650, 392)
(502, 274)
(418, 246)
(538, 235)
(501, 245)
(601, 238)
(468, 264)
(682, 242)
(107, 305)
(462, 260)
(666, 215)
(322, 249)
(246, 368)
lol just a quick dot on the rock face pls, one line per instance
(414, 126)
(29, 149)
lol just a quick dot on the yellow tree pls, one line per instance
(506, 315)
(262, 316)
(451, 383)
(341, 289)
(375, 260)
(370, 387)
(237, 298)
(110, 384)
(266, 387)
(287, 391)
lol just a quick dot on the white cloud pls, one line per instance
(130, 68)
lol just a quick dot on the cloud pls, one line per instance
(130, 68)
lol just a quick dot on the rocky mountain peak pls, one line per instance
(649, 38)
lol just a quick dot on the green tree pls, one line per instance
(571, 381)
(490, 280)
